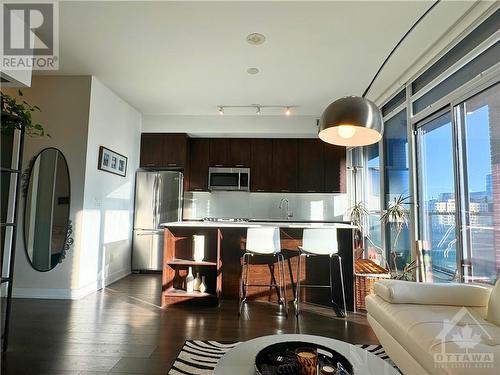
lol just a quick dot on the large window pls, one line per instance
(436, 193)
(449, 167)
(372, 202)
(396, 183)
(481, 129)
(458, 172)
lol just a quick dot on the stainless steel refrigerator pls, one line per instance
(158, 199)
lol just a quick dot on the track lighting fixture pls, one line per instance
(287, 109)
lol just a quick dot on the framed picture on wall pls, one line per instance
(112, 162)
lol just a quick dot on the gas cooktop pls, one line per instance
(226, 219)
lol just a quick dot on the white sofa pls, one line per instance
(437, 328)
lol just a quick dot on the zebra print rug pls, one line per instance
(200, 357)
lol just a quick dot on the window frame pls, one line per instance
(451, 102)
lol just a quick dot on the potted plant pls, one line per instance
(15, 114)
(396, 216)
(358, 214)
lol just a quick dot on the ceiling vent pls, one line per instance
(256, 39)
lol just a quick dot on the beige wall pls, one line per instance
(65, 114)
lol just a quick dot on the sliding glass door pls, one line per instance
(458, 175)
(480, 125)
(436, 193)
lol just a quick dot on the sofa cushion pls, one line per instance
(421, 330)
(398, 291)
(494, 305)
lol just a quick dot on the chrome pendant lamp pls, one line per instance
(354, 120)
(351, 121)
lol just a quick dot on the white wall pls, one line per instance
(233, 126)
(109, 199)
(65, 112)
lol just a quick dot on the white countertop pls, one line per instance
(255, 224)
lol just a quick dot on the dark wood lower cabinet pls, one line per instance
(224, 248)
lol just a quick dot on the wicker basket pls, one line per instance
(366, 273)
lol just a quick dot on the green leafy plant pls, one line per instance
(396, 215)
(359, 214)
(20, 110)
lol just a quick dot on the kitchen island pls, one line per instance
(221, 266)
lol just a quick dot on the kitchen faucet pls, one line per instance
(289, 214)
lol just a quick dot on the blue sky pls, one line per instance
(439, 151)
(478, 148)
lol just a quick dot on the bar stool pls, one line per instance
(320, 242)
(263, 242)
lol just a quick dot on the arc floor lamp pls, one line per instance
(354, 120)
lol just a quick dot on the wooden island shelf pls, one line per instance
(224, 246)
(185, 262)
(178, 258)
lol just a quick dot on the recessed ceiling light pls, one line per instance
(253, 70)
(256, 39)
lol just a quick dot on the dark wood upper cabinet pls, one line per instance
(151, 150)
(175, 150)
(335, 168)
(284, 165)
(220, 152)
(276, 165)
(261, 164)
(164, 150)
(199, 164)
(311, 165)
(229, 152)
(240, 151)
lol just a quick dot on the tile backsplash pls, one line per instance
(237, 204)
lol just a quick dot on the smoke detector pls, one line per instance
(256, 38)
(253, 70)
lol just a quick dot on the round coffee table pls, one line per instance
(241, 359)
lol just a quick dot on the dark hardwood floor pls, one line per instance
(121, 329)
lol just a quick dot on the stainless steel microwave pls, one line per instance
(228, 178)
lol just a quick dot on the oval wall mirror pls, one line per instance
(46, 210)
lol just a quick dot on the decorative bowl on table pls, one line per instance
(281, 359)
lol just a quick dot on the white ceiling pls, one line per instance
(189, 57)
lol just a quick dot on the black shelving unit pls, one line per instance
(10, 172)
